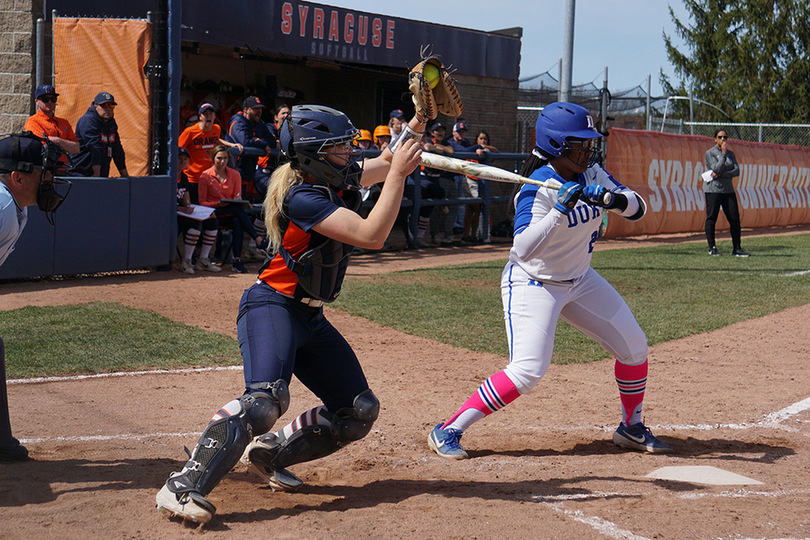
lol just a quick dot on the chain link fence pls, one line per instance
(794, 134)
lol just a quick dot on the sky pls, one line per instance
(626, 36)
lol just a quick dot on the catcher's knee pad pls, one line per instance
(354, 423)
(263, 403)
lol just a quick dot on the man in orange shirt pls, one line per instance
(47, 125)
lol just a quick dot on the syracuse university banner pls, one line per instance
(773, 188)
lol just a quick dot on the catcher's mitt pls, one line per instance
(443, 98)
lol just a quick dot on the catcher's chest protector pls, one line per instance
(322, 267)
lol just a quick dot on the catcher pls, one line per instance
(311, 213)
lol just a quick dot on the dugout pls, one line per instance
(195, 51)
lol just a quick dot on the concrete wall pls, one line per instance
(17, 61)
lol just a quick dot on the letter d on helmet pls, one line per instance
(559, 122)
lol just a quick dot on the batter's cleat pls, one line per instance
(447, 443)
(639, 437)
(714, 251)
(204, 263)
(187, 267)
(190, 506)
(740, 252)
(12, 450)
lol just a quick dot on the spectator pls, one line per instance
(363, 140)
(222, 182)
(24, 181)
(428, 190)
(192, 228)
(246, 128)
(395, 123)
(435, 144)
(469, 186)
(719, 191)
(279, 115)
(382, 137)
(98, 134)
(44, 123)
(199, 139)
(482, 140)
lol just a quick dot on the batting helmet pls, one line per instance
(559, 122)
(307, 133)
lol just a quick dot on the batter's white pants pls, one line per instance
(531, 309)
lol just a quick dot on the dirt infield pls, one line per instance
(737, 399)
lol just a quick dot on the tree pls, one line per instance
(748, 57)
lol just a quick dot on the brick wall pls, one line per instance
(17, 58)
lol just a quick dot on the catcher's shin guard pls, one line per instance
(316, 441)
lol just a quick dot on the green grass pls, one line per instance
(104, 337)
(674, 291)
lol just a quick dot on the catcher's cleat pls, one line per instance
(639, 437)
(190, 505)
(13, 451)
(280, 480)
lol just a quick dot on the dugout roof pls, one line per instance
(320, 31)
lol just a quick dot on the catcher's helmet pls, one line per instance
(559, 122)
(306, 134)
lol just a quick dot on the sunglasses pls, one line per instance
(722, 136)
(48, 99)
(107, 106)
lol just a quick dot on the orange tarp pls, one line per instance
(95, 55)
(773, 188)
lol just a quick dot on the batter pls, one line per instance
(548, 277)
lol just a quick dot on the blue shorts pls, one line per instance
(281, 337)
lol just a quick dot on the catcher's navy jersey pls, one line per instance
(308, 205)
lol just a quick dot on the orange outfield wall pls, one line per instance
(109, 55)
(773, 188)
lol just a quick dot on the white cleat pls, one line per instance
(184, 506)
(280, 480)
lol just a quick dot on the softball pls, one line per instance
(431, 74)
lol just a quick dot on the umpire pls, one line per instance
(26, 179)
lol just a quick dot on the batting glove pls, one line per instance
(597, 195)
(568, 196)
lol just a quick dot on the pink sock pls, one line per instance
(493, 395)
(632, 381)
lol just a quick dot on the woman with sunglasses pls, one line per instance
(720, 193)
(99, 139)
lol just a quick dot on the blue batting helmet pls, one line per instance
(560, 121)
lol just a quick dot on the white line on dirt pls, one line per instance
(124, 437)
(121, 374)
(602, 526)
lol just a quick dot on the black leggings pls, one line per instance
(234, 216)
(5, 425)
(728, 201)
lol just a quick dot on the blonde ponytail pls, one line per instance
(284, 178)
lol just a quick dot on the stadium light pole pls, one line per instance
(568, 51)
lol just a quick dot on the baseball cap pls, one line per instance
(181, 151)
(253, 102)
(104, 97)
(30, 152)
(397, 113)
(45, 90)
(437, 125)
(204, 107)
(459, 126)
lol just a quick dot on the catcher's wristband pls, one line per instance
(407, 133)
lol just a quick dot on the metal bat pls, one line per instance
(487, 172)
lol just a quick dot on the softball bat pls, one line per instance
(477, 170)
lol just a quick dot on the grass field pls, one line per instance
(674, 291)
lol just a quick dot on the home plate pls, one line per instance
(702, 475)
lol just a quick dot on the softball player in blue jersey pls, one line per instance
(548, 277)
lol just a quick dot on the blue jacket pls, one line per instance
(243, 131)
(100, 143)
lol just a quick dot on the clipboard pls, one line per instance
(241, 202)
